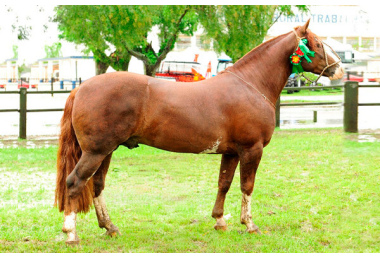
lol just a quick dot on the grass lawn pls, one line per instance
(315, 92)
(316, 191)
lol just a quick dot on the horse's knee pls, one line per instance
(247, 187)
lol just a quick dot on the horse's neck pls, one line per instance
(267, 67)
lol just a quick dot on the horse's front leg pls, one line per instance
(104, 219)
(249, 162)
(226, 174)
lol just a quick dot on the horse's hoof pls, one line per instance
(113, 232)
(72, 243)
(253, 231)
(220, 227)
(220, 224)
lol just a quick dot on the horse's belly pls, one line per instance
(187, 142)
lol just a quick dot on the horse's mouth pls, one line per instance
(338, 74)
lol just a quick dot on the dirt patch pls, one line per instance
(364, 136)
(32, 142)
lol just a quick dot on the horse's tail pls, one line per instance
(69, 153)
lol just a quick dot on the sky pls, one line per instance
(36, 16)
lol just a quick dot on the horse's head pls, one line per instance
(325, 61)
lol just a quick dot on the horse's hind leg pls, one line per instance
(226, 174)
(69, 227)
(104, 219)
(87, 165)
(249, 162)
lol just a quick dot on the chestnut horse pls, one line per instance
(232, 114)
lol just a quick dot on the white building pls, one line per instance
(355, 25)
(343, 27)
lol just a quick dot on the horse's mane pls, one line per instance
(257, 52)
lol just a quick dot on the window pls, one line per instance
(368, 44)
(338, 39)
(354, 42)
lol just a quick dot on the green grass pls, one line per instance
(316, 191)
(315, 92)
(304, 101)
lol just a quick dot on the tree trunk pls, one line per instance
(101, 67)
(124, 65)
(151, 69)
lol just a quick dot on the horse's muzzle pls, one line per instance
(338, 73)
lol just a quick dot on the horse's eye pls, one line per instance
(318, 45)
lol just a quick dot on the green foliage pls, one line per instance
(130, 26)
(22, 68)
(239, 28)
(53, 50)
(87, 25)
(15, 51)
(123, 31)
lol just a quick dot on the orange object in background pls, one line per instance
(208, 72)
(197, 75)
(196, 57)
(182, 71)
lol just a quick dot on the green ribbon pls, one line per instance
(297, 69)
(306, 52)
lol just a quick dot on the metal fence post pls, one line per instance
(278, 111)
(22, 125)
(52, 86)
(351, 97)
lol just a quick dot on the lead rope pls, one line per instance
(265, 97)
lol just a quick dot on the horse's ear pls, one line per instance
(304, 27)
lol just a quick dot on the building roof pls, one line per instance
(66, 58)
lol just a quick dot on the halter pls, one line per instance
(326, 59)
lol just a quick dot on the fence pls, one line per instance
(350, 118)
(33, 83)
(350, 103)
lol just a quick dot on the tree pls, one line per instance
(125, 30)
(85, 25)
(15, 51)
(53, 50)
(237, 29)
(129, 27)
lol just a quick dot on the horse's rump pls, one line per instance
(69, 153)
